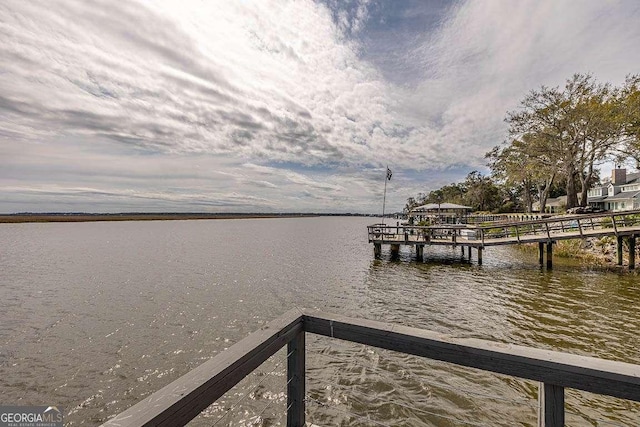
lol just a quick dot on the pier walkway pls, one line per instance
(542, 231)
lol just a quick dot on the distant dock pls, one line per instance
(545, 232)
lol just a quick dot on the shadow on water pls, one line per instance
(431, 256)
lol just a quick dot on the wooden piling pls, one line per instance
(377, 249)
(479, 255)
(632, 252)
(549, 255)
(395, 249)
(420, 252)
(541, 253)
(619, 250)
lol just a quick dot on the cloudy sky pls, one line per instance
(264, 106)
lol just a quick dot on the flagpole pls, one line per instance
(384, 198)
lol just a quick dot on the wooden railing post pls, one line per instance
(579, 228)
(295, 381)
(551, 409)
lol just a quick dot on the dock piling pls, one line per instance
(541, 253)
(619, 250)
(549, 255)
(395, 249)
(632, 252)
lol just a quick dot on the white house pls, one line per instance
(553, 205)
(622, 193)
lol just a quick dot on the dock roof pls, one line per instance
(441, 206)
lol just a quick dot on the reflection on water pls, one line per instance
(98, 315)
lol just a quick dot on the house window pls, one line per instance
(621, 205)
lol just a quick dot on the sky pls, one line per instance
(276, 105)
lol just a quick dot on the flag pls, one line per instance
(389, 173)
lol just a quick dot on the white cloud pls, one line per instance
(274, 103)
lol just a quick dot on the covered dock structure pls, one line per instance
(440, 213)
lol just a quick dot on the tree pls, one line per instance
(521, 164)
(577, 126)
(411, 203)
(630, 119)
(482, 194)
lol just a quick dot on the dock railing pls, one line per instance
(507, 232)
(182, 400)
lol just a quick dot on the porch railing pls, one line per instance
(182, 400)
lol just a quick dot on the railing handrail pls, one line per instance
(564, 218)
(183, 399)
(608, 377)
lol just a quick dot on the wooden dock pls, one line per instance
(545, 232)
(182, 400)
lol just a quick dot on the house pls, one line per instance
(622, 193)
(439, 212)
(553, 205)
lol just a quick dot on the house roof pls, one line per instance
(633, 178)
(621, 196)
(557, 201)
(435, 207)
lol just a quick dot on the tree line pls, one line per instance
(556, 140)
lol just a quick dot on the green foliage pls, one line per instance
(508, 207)
(569, 248)
(478, 191)
(606, 223)
(563, 133)
(605, 242)
(556, 138)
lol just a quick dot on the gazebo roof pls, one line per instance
(441, 206)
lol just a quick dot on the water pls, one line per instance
(96, 316)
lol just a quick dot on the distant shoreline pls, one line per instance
(89, 217)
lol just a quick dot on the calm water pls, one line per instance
(95, 316)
